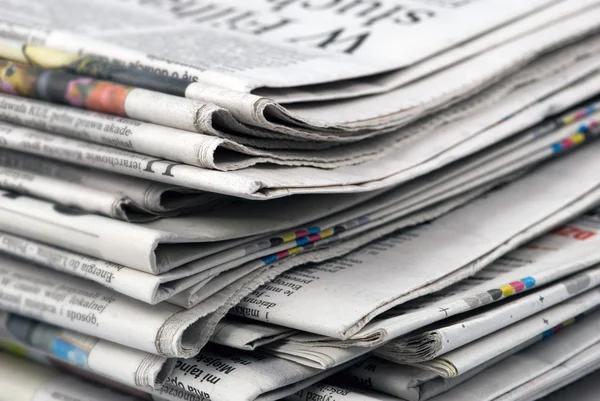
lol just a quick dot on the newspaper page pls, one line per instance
(28, 381)
(138, 16)
(198, 279)
(151, 177)
(220, 300)
(536, 357)
(247, 335)
(123, 101)
(186, 147)
(574, 369)
(190, 284)
(320, 351)
(200, 150)
(330, 158)
(402, 381)
(431, 344)
(91, 309)
(331, 247)
(214, 151)
(566, 352)
(346, 241)
(535, 201)
(501, 61)
(333, 90)
(225, 151)
(475, 353)
(339, 227)
(395, 216)
(134, 368)
(227, 374)
(72, 195)
(584, 389)
(565, 251)
(323, 391)
(160, 245)
(325, 357)
(436, 63)
(398, 106)
(376, 113)
(328, 355)
(259, 182)
(151, 196)
(413, 383)
(198, 323)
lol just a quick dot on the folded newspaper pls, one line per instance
(461, 137)
(585, 389)
(475, 353)
(534, 371)
(543, 355)
(232, 153)
(426, 346)
(338, 119)
(136, 369)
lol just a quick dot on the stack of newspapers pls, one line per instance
(309, 200)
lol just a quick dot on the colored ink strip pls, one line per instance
(310, 244)
(511, 288)
(503, 291)
(298, 235)
(579, 114)
(552, 124)
(548, 333)
(584, 132)
(304, 243)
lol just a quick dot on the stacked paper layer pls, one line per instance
(299, 200)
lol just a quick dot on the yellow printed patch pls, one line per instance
(327, 233)
(507, 290)
(295, 250)
(578, 138)
(288, 237)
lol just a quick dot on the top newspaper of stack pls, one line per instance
(244, 59)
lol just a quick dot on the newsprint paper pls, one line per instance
(530, 208)
(530, 103)
(85, 305)
(336, 118)
(431, 344)
(135, 368)
(27, 381)
(188, 284)
(215, 373)
(514, 369)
